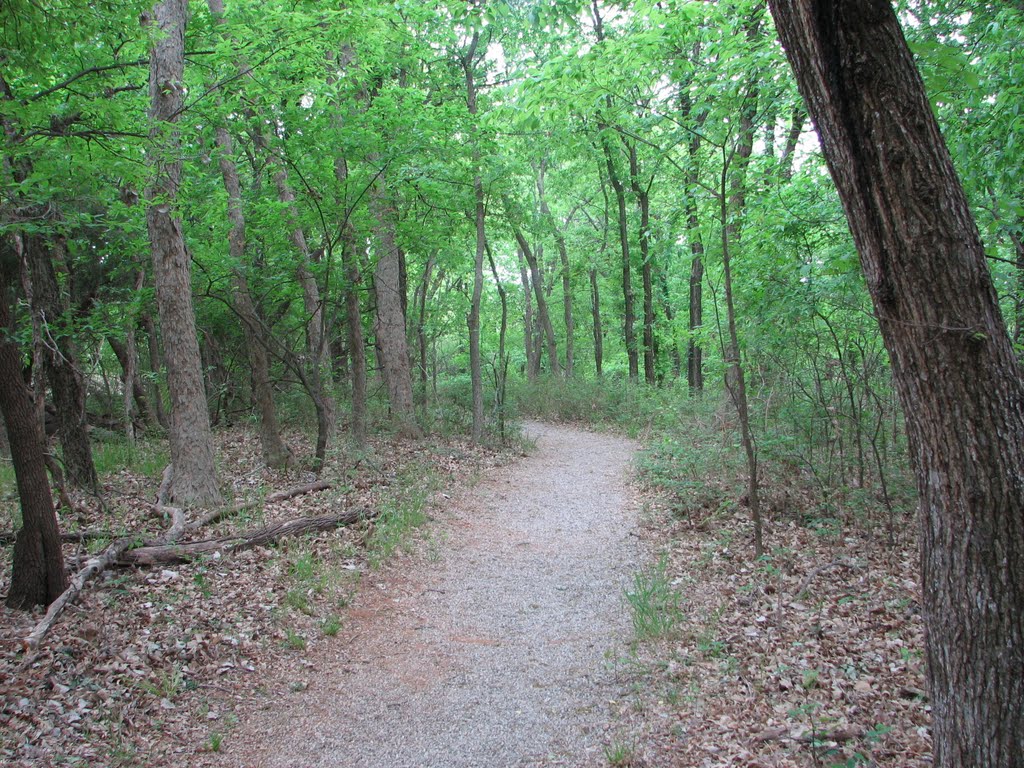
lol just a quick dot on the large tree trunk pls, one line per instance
(961, 387)
(390, 319)
(38, 576)
(195, 476)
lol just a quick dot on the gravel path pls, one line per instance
(498, 653)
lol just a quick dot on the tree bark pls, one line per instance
(38, 576)
(138, 390)
(694, 351)
(195, 476)
(961, 387)
(390, 320)
(156, 367)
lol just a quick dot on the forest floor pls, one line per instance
(499, 635)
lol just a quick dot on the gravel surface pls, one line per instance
(497, 646)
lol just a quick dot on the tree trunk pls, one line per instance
(195, 476)
(423, 294)
(563, 257)
(275, 452)
(354, 329)
(537, 278)
(501, 369)
(60, 361)
(38, 576)
(629, 314)
(390, 320)
(532, 349)
(129, 367)
(156, 367)
(670, 319)
(796, 127)
(694, 351)
(475, 365)
(595, 310)
(643, 201)
(961, 387)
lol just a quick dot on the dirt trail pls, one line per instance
(499, 652)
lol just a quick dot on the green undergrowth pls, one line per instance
(612, 401)
(402, 512)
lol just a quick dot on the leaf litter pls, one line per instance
(811, 656)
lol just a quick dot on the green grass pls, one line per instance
(402, 513)
(654, 602)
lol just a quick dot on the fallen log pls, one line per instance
(167, 554)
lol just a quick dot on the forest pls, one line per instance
(278, 272)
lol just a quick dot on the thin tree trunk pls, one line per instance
(563, 257)
(38, 576)
(595, 310)
(643, 202)
(192, 455)
(537, 278)
(961, 387)
(275, 453)
(475, 365)
(61, 364)
(156, 367)
(421, 324)
(796, 127)
(629, 314)
(501, 369)
(532, 349)
(732, 210)
(670, 319)
(694, 350)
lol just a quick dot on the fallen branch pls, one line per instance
(180, 553)
(274, 498)
(783, 733)
(818, 571)
(96, 565)
(126, 550)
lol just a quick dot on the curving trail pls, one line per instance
(498, 654)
